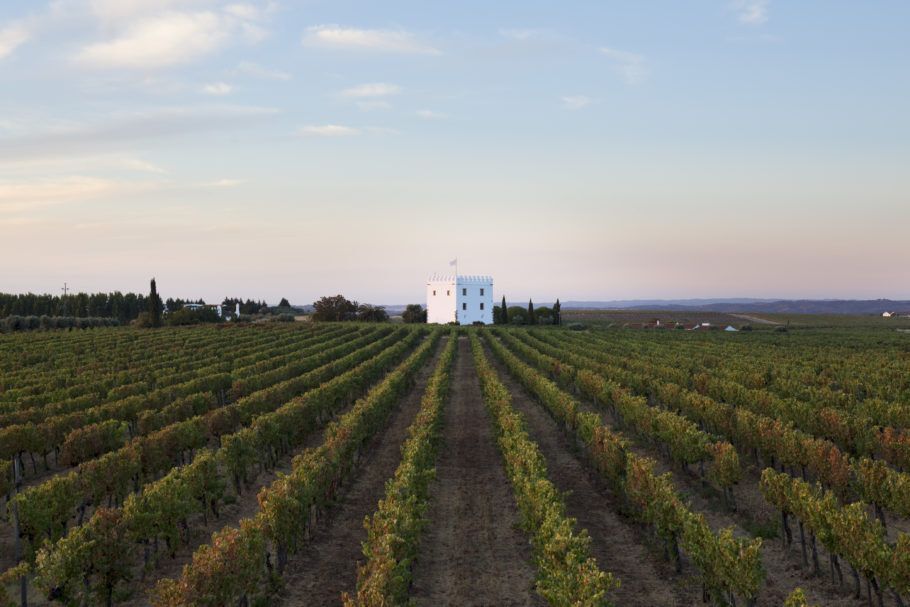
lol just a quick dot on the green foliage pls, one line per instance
(155, 306)
(11, 324)
(186, 316)
(105, 543)
(232, 566)
(334, 308)
(567, 574)
(516, 315)
(797, 598)
(414, 313)
(543, 315)
(285, 506)
(92, 440)
(727, 564)
(371, 313)
(394, 529)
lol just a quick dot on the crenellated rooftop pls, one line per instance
(470, 279)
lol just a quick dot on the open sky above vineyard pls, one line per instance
(602, 149)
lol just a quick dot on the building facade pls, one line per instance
(461, 299)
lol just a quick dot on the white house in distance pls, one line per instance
(461, 299)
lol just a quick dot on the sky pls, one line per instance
(586, 150)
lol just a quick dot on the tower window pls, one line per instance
(481, 292)
(464, 291)
(448, 293)
(481, 305)
(464, 306)
(434, 292)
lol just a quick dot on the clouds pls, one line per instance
(431, 115)
(336, 37)
(217, 88)
(751, 12)
(373, 89)
(143, 34)
(328, 130)
(159, 41)
(338, 130)
(114, 12)
(27, 195)
(224, 183)
(115, 132)
(631, 66)
(576, 102)
(12, 36)
(254, 70)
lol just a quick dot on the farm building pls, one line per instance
(461, 299)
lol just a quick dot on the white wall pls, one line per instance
(441, 301)
(470, 301)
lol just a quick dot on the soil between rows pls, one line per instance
(617, 543)
(783, 567)
(245, 506)
(472, 551)
(326, 565)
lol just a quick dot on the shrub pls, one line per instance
(414, 313)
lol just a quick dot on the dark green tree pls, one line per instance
(532, 319)
(371, 313)
(518, 315)
(335, 308)
(557, 313)
(504, 314)
(414, 313)
(543, 315)
(154, 305)
(284, 303)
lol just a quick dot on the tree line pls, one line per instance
(504, 314)
(339, 308)
(123, 307)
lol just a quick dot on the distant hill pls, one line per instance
(768, 306)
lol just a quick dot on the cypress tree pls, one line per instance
(557, 313)
(532, 320)
(504, 313)
(154, 305)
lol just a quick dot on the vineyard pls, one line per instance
(377, 464)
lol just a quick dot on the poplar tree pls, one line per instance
(557, 313)
(504, 312)
(532, 320)
(154, 305)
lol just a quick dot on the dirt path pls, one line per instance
(472, 551)
(617, 543)
(326, 566)
(756, 319)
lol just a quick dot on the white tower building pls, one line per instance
(461, 299)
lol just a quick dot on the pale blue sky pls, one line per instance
(585, 150)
